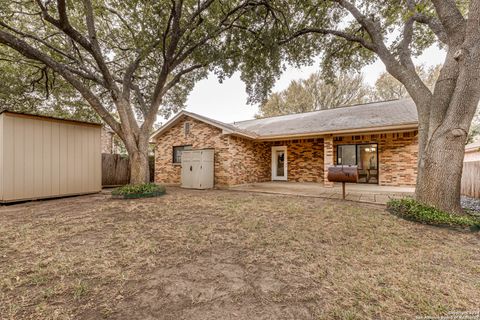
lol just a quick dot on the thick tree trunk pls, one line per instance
(138, 153)
(139, 167)
(440, 171)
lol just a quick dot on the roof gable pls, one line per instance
(225, 127)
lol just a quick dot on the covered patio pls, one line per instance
(370, 193)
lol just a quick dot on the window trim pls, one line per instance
(180, 146)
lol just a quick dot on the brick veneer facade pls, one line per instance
(397, 155)
(201, 136)
(328, 161)
(304, 159)
(240, 161)
(107, 140)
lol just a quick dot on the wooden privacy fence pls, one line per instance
(116, 169)
(471, 179)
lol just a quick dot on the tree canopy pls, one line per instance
(349, 34)
(28, 86)
(315, 93)
(388, 88)
(133, 60)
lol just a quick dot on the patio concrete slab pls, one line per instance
(355, 192)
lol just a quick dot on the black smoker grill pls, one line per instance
(343, 174)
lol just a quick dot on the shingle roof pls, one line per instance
(365, 116)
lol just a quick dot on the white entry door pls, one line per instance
(279, 163)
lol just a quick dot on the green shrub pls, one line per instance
(146, 188)
(410, 209)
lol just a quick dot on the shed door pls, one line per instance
(186, 172)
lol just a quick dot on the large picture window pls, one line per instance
(365, 156)
(177, 153)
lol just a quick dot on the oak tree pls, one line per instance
(351, 33)
(131, 60)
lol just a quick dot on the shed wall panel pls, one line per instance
(55, 162)
(28, 143)
(9, 158)
(44, 158)
(18, 166)
(37, 160)
(47, 158)
(63, 159)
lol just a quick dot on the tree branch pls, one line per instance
(150, 119)
(350, 37)
(30, 36)
(404, 51)
(64, 25)
(450, 17)
(30, 52)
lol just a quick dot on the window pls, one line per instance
(365, 156)
(177, 153)
(346, 154)
(186, 128)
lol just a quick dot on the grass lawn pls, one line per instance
(229, 255)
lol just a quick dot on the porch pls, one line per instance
(383, 159)
(370, 193)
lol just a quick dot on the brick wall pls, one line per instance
(240, 161)
(250, 161)
(201, 136)
(328, 151)
(397, 155)
(304, 159)
(106, 140)
(237, 160)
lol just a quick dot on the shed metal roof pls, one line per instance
(39, 116)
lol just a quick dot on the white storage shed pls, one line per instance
(197, 169)
(44, 157)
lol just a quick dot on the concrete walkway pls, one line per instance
(355, 192)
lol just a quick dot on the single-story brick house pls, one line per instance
(381, 138)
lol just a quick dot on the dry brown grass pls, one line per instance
(228, 255)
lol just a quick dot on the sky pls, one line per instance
(227, 101)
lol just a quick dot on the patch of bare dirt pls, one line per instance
(228, 255)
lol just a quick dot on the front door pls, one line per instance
(279, 163)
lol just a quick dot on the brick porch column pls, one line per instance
(327, 158)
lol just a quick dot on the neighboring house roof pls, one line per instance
(473, 147)
(386, 115)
